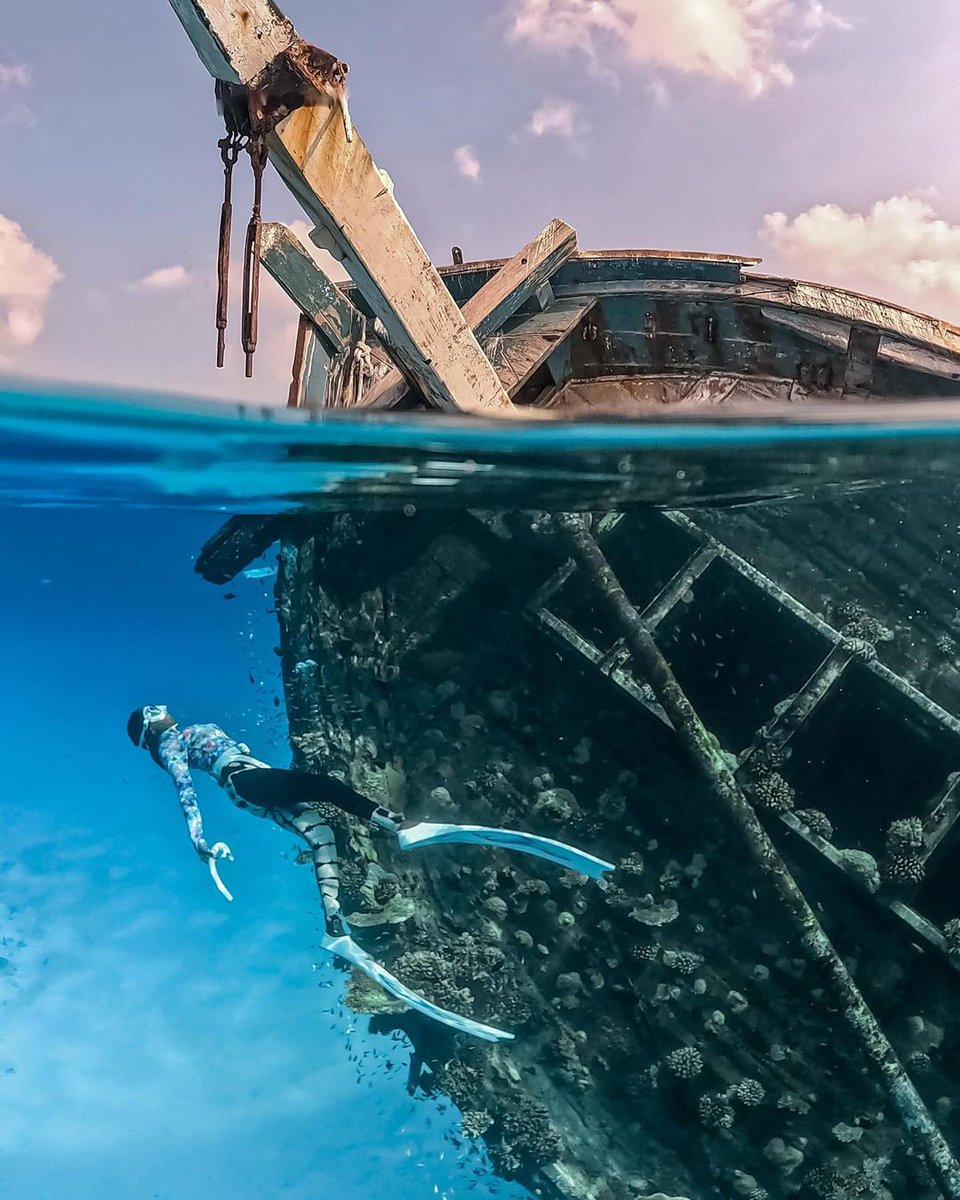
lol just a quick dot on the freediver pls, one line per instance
(294, 800)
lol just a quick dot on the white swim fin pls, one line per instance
(425, 834)
(346, 948)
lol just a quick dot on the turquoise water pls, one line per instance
(156, 1042)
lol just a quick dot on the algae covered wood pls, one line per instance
(516, 281)
(340, 187)
(811, 938)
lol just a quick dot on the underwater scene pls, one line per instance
(604, 846)
(480, 618)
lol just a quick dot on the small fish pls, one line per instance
(259, 572)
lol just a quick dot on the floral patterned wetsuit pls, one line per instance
(200, 747)
(293, 799)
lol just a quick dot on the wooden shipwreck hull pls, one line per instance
(752, 711)
(673, 1036)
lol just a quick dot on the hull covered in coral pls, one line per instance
(673, 1035)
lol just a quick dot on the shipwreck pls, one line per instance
(749, 708)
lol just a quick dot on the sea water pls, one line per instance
(157, 1043)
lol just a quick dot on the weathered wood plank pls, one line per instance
(515, 282)
(520, 278)
(817, 300)
(309, 287)
(340, 188)
(519, 353)
(863, 346)
(831, 332)
(235, 38)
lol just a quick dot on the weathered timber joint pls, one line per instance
(295, 78)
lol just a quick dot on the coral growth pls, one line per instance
(685, 1063)
(749, 1092)
(715, 1112)
(816, 821)
(903, 870)
(772, 793)
(905, 836)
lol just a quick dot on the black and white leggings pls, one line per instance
(291, 799)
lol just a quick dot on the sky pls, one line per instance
(814, 133)
(156, 1042)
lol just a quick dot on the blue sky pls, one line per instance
(154, 1040)
(671, 123)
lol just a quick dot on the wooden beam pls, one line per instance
(522, 351)
(863, 346)
(519, 279)
(309, 287)
(235, 40)
(341, 189)
(833, 332)
(811, 299)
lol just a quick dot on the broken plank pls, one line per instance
(511, 287)
(519, 353)
(309, 287)
(341, 189)
(520, 278)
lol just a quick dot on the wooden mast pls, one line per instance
(342, 191)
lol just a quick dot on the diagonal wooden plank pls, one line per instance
(519, 353)
(341, 189)
(520, 278)
(309, 287)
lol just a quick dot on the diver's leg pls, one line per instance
(326, 869)
(275, 789)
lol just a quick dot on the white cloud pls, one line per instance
(659, 93)
(467, 163)
(18, 75)
(166, 279)
(557, 117)
(899, 250)
(15, 78)
(323, 258)
(743, 42)
(27, 276)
